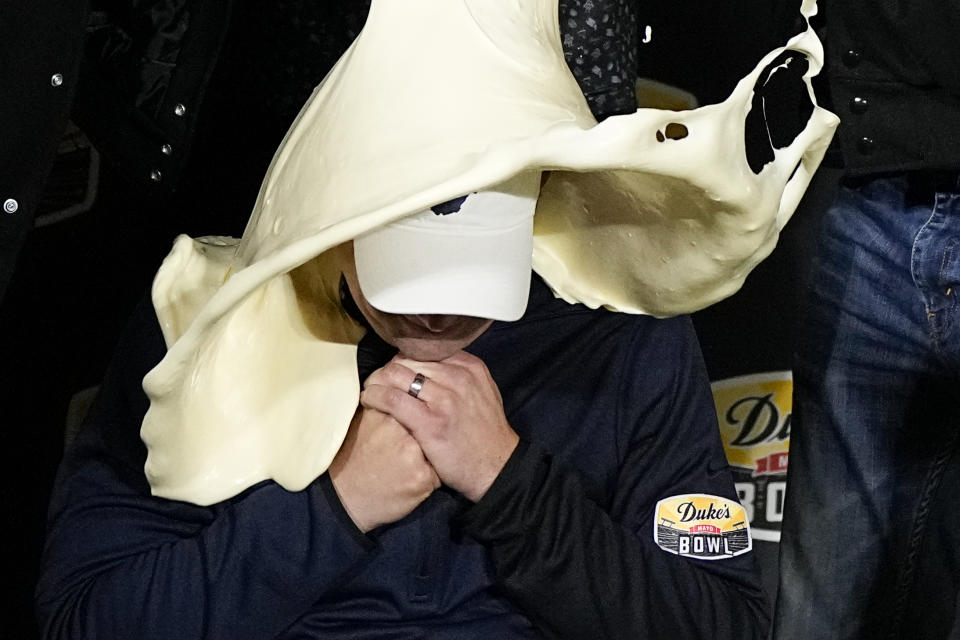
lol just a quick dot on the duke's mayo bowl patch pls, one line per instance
(697, 525)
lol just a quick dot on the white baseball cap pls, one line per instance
(470, 256)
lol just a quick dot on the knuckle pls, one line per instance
(480, 372)
(460, 377)
(442, 410)
(392, 397)
(433, 422)
(373, 396)
(439, 422)
(394, 371)
(472, 362)
(370, 395)
(423, 476)
(409, 449)
(384, 396)
(372, 379)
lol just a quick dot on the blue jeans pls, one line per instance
(871, 529)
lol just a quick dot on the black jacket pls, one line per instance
(40, 44)
(148, 70)
(615, 414)
(145, 71)
(894, 78)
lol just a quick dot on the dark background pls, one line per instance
(76, 280)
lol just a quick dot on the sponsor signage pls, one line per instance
(754, 415)
(701, 526)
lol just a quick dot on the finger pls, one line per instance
(444, 374)
(476, 367)
(419, 386)
(463, 359)
(392, 374)
(458, 359)
(438, 380)
(413, 414)
(429, 369)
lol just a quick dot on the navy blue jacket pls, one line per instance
(614, 412)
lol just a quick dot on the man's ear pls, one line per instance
(316, 286)
(543, 178)
(340, 257)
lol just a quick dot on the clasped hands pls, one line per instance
(400, 448)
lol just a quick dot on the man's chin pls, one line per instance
(428, 350)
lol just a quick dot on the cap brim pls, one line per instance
(404, 270)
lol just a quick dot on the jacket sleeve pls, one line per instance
(119, 563)
(582, 569)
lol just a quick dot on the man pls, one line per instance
(870, 544)
(39, 64)
(516, 464)
(500, 479)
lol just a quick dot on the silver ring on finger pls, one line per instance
(417, 385)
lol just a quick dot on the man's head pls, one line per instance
(432, 283)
